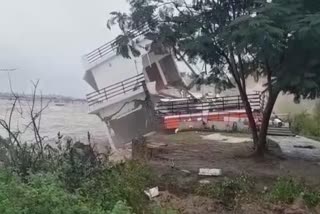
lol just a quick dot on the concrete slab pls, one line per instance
(297, 147)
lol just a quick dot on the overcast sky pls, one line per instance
(45, 39)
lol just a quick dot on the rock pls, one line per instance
(210, 172)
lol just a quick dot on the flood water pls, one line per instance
(72, 120)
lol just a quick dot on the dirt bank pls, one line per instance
(177, 167)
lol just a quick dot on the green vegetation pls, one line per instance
(286, 190)
(277, 41)
(308, 124)
(41, 194)
(228, 191)
(69, 178)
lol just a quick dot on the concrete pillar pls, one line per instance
(109, 136)
(163, 77)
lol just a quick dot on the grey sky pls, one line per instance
(45, 39)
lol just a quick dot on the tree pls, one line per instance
(236, 38)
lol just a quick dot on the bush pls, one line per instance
(42, 194)
(227, 191)
(312, 198)
(121, 208)
(126, 181)
(286, 190)
(81, 174)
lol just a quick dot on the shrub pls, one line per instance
(227, 191)
(312, 198)
(122, 182)
(42, 194)
(75, 163)
(80, 172)
(286, 190)
(121, 208)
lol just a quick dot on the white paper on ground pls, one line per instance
(153, 192)
(210, 172)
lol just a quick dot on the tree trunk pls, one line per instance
(261, 146)
(252, 122)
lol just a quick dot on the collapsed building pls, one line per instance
(134, 96)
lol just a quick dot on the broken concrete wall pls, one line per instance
(162, 69)
(133, 125)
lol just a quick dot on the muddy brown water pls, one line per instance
(72, 120)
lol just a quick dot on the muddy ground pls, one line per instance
(177, 165)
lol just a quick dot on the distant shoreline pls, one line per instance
(54, 98)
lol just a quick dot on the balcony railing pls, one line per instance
(191, 106)
(128, 85)
(109, 47)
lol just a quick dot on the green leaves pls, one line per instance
(279, 38)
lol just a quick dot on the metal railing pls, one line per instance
(110, 47)
(117, 89)
(191, 106)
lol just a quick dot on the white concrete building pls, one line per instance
(119, 86)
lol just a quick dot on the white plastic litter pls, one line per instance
(152, 193)
(210, 172)
(204, 182)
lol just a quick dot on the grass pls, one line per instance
(285, 190)
(227, 191)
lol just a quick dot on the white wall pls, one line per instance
(116, 69)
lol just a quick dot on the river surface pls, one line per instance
(72, 120)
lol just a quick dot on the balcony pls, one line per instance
(192, 106)
(108, 50)
(115, 93)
